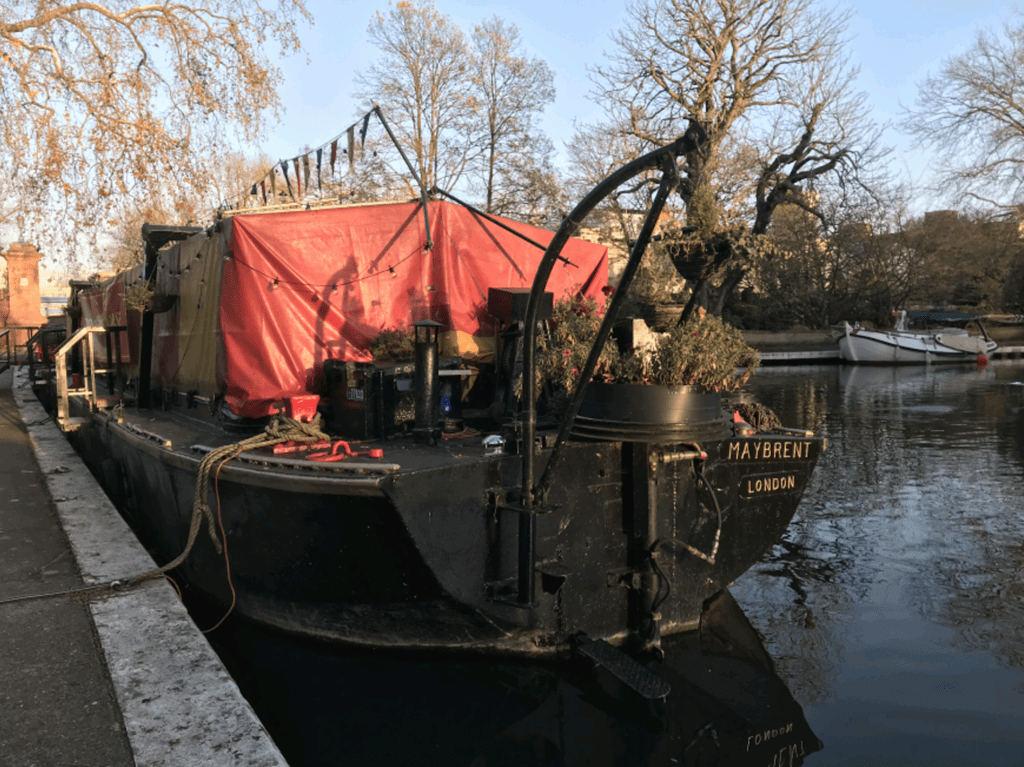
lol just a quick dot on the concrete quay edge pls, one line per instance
(180, 706)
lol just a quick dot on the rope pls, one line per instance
(109, 587)
(280, 429)
(227, 560)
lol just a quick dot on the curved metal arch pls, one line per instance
(666, 158)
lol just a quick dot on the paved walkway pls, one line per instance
(57, 702)
(126, 680)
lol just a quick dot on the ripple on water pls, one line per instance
(917, 511)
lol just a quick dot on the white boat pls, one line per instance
(901, 346)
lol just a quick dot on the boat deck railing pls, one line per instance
(5, 363)
(39, 348)
(84, 384)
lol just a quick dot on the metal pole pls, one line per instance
(636, 255)
(423, 191)
(527, 580)
(496, 222)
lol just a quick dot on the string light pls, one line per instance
(276, 282)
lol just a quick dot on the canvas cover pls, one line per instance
(106, 306)
(186, 338)
(303, 287)
(263, 300)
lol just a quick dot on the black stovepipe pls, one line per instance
(664, 157)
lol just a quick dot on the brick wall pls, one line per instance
(23, 285)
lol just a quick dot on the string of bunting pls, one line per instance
(292, 177)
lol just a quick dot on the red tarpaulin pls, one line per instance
(103, 307)
(306, 286)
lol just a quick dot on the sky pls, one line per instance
(896, 45)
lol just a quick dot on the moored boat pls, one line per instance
(411, 505)
(902, 346)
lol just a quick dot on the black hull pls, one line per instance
(426, 555)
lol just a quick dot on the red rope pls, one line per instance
(169, 578)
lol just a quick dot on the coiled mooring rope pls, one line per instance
(280, 429)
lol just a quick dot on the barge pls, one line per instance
(225, 394)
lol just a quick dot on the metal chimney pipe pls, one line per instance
(426, 381)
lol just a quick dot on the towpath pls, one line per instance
(122, 680)
(57, 702)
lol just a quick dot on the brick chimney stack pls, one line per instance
(23, 285)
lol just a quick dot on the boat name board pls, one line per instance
(768, 449)
(766, 484)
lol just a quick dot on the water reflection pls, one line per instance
(323, 706)
(905, 560)
(892, 610)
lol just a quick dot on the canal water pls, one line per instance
(891, 619)
(894, 606)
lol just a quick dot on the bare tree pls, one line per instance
(529, 187)
(125, 247)
(711, 62)
(512, 91)
(972, 112)
(821, 134)
(21, 198)
(466, 112)
(422, 79)
(233, 172)
(765, 85)
(595, 151)
(229, 184)
(102, 100)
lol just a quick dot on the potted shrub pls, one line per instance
(677, 379)
(394, 345)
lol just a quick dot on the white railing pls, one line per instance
(88, 387)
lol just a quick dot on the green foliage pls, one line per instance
(574, 325)
(969, 259)
(394, 345)
(703, 351)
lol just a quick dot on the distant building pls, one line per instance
(20, 307)
(51, 286)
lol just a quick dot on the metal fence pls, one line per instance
(16, 343)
